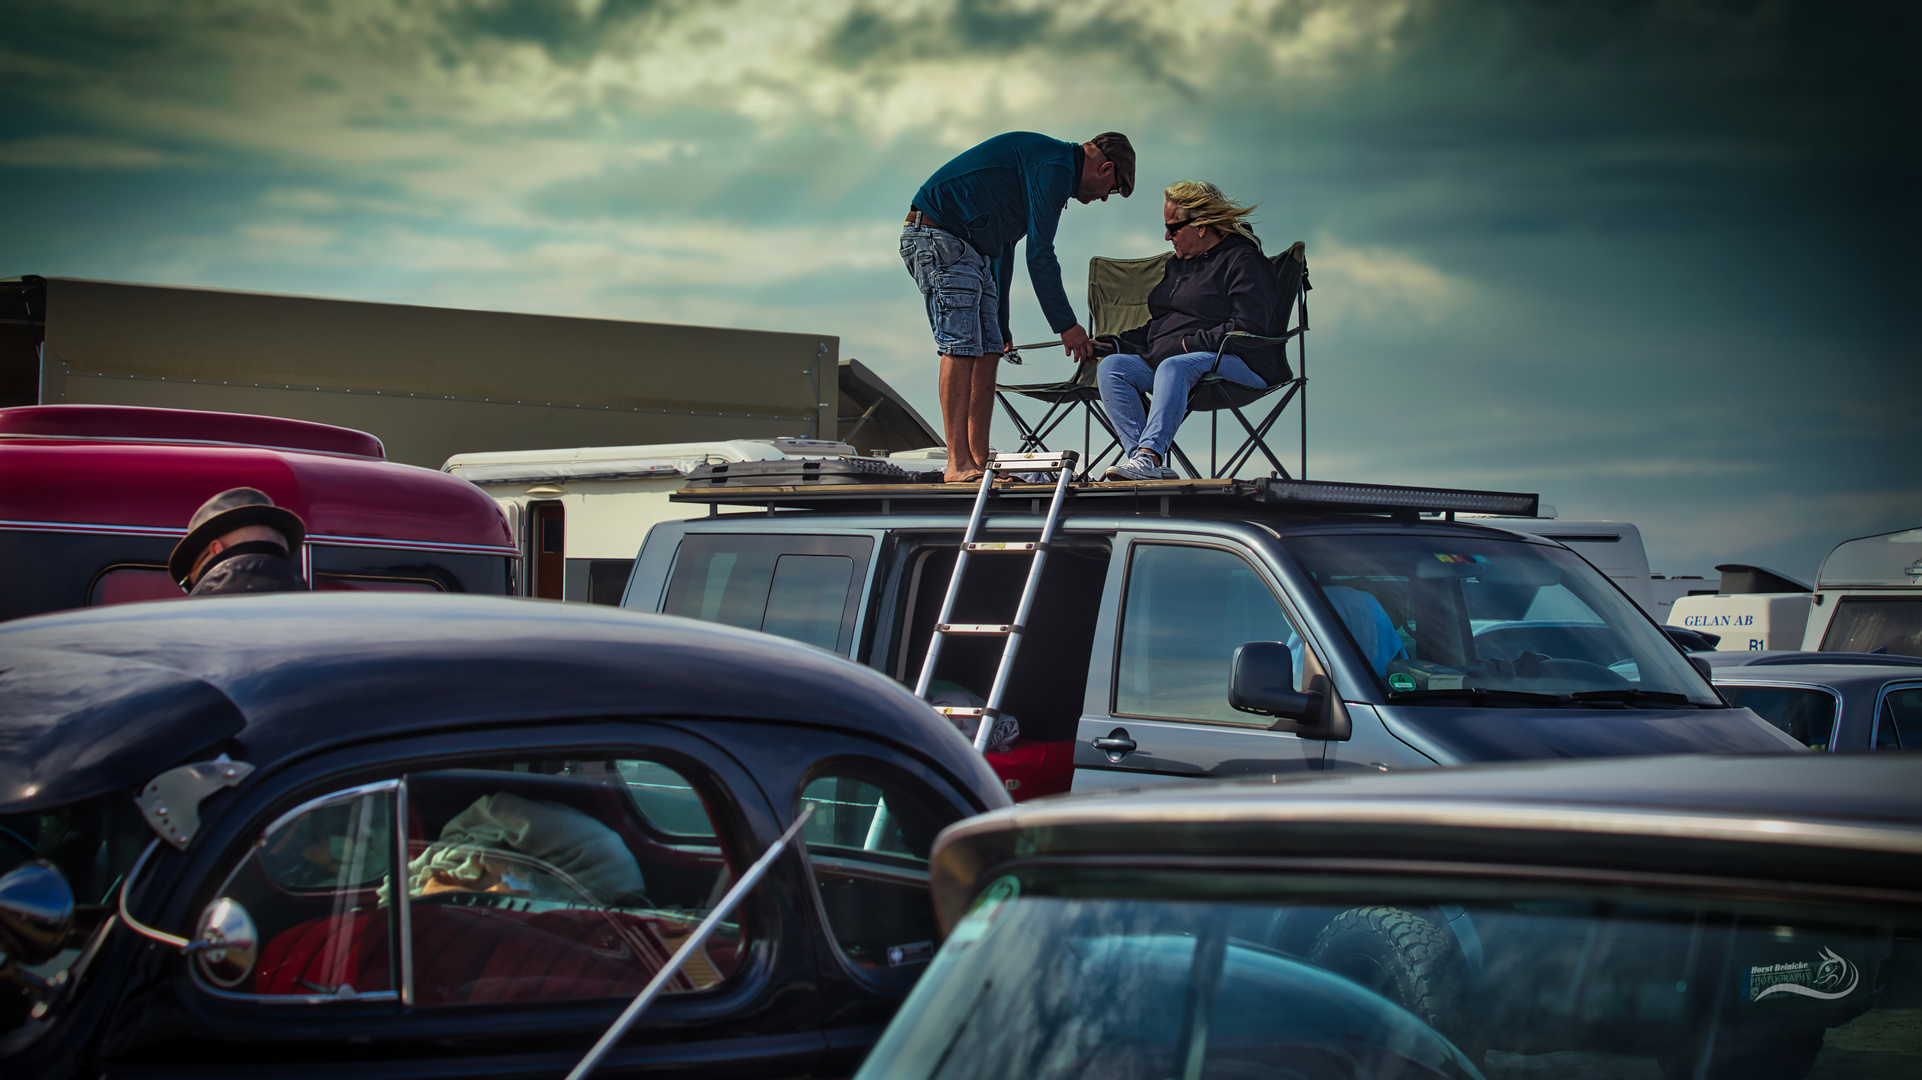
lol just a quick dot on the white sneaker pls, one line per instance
(1141, 467)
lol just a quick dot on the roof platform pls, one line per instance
(1222, 494)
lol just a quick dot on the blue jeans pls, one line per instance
(958, 285)
(1123, 378)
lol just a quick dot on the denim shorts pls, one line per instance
(964, 303)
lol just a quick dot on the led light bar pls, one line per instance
(1338, 496)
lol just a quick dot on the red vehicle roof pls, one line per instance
(148, 470)
(130, 423)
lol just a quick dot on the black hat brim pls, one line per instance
(278, 518)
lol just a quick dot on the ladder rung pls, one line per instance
(1031, 462)
(1004, 545)
(961, 712)
(1040, 455)
(978, 628)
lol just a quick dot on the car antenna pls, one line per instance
(694, 941)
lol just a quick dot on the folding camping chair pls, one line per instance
(1117, 300)
(1214, 393)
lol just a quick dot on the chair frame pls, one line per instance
(1062, 398)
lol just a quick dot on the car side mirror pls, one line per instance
(36, 918)
(1264, 682)
(36, 912)
(225, 943)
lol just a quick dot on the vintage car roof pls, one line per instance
(306, 670)
(127, 469)
(1846, 674)
(1841, 821)
(1776, 658)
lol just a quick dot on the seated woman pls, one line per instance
(1218, 281)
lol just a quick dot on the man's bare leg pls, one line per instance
(981, 409)
(955, 387)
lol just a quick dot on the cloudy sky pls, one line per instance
(1655, 259)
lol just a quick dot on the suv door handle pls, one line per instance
(1116, 745)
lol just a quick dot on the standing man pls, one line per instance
(239, 542)
(959, 245)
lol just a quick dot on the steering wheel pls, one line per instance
(1534, 665)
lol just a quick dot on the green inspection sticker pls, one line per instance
(1401, 681)
(987, 909)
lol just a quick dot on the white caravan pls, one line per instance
(1868, 596)
(579, 514)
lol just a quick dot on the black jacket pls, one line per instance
(1231, 286)
(257, 567)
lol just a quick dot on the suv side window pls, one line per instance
(806, 588)
(868, 842)
(1187, 609)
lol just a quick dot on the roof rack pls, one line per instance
(1268, 491)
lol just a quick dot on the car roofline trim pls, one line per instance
(170, 532)
(1547, 873)
(1517, 816)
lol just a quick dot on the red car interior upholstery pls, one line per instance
(478, 948)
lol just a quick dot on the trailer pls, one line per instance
(434, 382)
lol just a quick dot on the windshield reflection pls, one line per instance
(1448, 620)
(1044, 987)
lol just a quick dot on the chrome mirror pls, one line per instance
(225, 943)
(36, 912)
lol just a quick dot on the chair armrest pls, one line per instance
(1243, 337)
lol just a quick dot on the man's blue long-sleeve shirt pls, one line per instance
(1009, 187)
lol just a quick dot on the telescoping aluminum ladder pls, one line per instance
(1062, 465)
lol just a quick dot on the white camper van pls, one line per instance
(1868, 596)
(579, 514)
(1754, 609)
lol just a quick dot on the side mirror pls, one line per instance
(1264, 682)
(225, 943)
(36, 912)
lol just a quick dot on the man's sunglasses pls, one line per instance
(1176, 226)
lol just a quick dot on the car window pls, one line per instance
(868, 840)
(1061, 971)
(315, 885)
(545, 881)
(1875, 624)
(1440, 616)
(1898, 726)
(1807, 716)
(802, 587)
(524, 880)
(132, 584)
(1187, 610)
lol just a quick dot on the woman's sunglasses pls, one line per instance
(1175, 226)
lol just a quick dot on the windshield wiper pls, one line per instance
(1479, 695)
(1635, 696)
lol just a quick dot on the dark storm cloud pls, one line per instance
(567, 31)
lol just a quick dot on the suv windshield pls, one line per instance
(1409, 979)
(1447, 619)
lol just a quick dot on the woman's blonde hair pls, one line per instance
(1205, 205)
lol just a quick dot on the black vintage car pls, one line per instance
(391, 836)
(1828, 701)
(1684, 917)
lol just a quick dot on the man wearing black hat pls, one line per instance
(239, 542)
